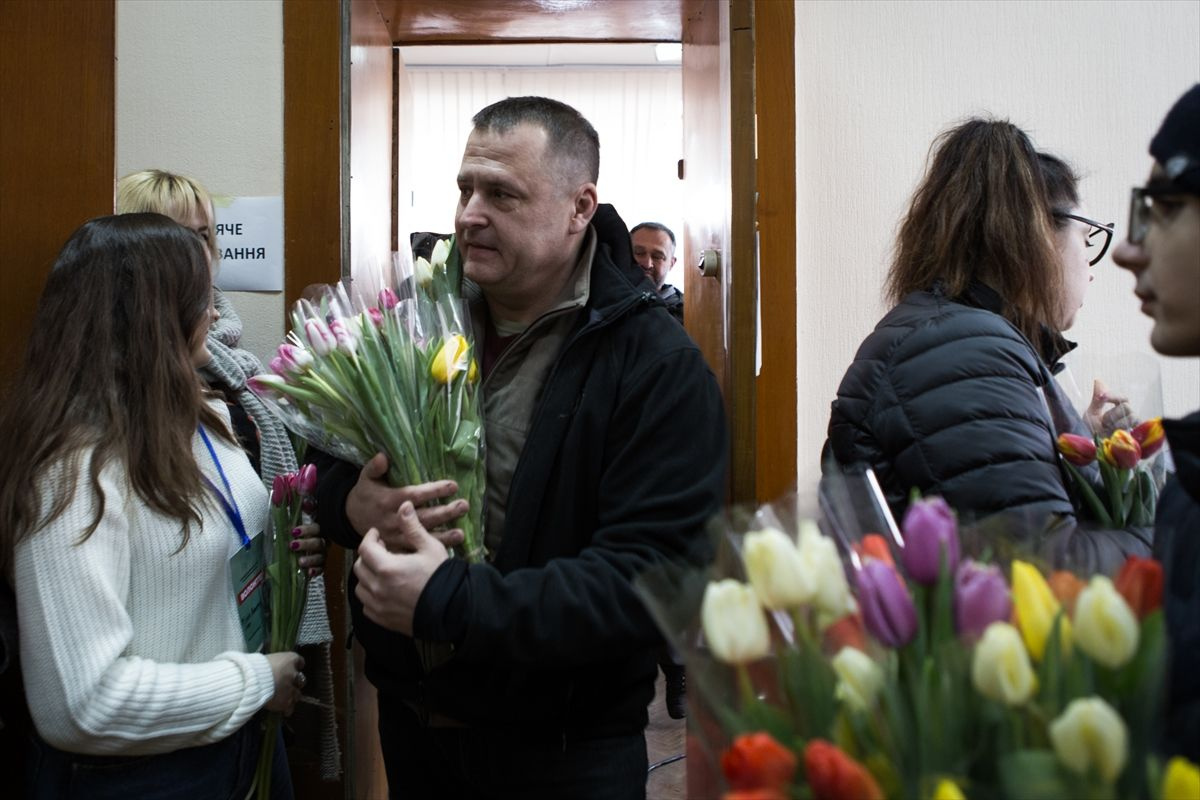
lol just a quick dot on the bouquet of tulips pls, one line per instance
(895, 667)
(1130, 491)
(287, 585)
(396, 375)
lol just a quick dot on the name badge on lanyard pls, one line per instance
(246, 567)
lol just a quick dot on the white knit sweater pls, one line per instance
(128, 647)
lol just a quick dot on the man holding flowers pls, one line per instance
(1163, 252)
(549, 661)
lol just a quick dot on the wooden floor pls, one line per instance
(664, 740)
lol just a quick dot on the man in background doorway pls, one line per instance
(654, 251)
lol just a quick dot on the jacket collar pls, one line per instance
(1184, 437)
(612, 279)
(1052, 346)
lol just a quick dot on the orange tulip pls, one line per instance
(873, 545)
(833, 775)
(1121, 450)
(846, 632)
(1150, 436)
(757, 761)
(1079, 450)
(1066, 586)
(1140, 582)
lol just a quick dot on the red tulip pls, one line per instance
(757, 794)
(1150, 436)
(1121, 450)
(757, 761)
(1140, 582)
(1079, 450)
(833, 775)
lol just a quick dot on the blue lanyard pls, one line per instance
(228, 503)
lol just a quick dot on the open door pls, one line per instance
(738, 162)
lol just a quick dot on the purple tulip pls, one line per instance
(981, 597)
(929, 528)
(887, 610)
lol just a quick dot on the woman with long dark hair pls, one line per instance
(123, 502)
(953, 394)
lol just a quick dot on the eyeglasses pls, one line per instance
(1097, 229)
(1142, 209)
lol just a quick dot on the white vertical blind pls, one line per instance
(637, 112)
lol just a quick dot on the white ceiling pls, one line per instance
(532, 55)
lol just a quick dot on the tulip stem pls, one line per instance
(749, 698)
(1089, 495)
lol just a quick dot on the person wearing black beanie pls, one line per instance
(1163, 252)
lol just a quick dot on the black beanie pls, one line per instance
(1176, 146)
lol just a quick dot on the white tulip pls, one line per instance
(859, 678)
(832, 593)
(778, 573)
(1091, 735)
(1105, 627)
(735, 625)
(1001, 669)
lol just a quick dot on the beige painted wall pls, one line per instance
(876, 81)
(200, 92)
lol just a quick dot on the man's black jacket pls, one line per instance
(624, 463)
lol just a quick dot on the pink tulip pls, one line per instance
(320, 339)
(306, 483)
(281, 490)
(388, 299)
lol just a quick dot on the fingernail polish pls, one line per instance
(295, 545)
(296, 533)
(312, 572)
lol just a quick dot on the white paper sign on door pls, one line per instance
(250, 238)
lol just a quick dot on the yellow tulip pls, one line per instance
(1036, 609)
(859, 678)
(1105, 627)
(948, 790)
(776, 570)
(734, 623)
(1182, 781)
(1089, 736)
(1000, 668)
(452, 358)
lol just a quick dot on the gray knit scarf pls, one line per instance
(232, 366)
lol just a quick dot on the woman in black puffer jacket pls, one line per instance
(952, 393)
